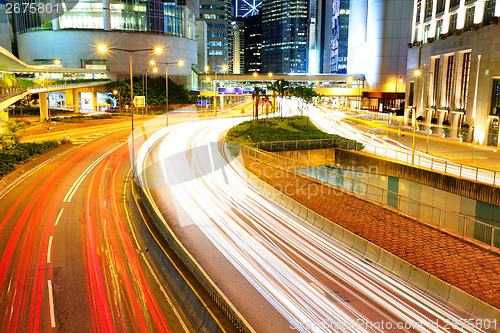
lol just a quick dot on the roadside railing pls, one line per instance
(436, 164)
(61, 86)
(468, 228)
(11, 94)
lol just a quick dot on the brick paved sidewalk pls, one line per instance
(464, 265)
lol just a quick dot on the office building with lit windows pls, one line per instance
(236, 59)
(217, 15)
(454, 67)
(73, 36)
(285, 36)
(253, 43)
(340, 34)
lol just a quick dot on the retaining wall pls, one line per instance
(453, 184)
(429, 284)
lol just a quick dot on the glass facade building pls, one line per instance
(284, 36)
(150, 16)
(217, 14)
(340, 34)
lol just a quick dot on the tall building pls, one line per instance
(217, 14)
(245, 8)
(73, 36)
(253, 44)
(379, 31)
(324, 34)
(285, 36)
(340, 35)
(454, 49)
(237, 46)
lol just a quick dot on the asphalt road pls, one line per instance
(70, 261)
(279, 272)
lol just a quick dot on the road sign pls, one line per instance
(139, 101)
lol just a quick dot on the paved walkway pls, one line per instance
(466, 266)
(451, 149)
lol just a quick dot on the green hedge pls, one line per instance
(17, 154)
(296, 128)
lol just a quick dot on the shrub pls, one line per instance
(14, 155)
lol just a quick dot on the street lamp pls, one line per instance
(179, 63)
(224, 69)
(413, 119)
(104, 49)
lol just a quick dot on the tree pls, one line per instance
(280, 87)
(13, 131)
(256, 96)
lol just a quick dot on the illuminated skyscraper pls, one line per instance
(340, 34)
(284, 36)
(245, 8)
(216, 13)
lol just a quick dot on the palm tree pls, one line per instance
(256, 95)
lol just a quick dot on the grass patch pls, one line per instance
(14, 155)
(287, 129)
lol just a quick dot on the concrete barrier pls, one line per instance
(419, 278)
(433, 286)
(196, 310)
(438, 289)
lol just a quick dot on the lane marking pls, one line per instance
(318, 288)
(59, 216)
(80, 179)
(51, 305)
(49, 249)
(144, 257)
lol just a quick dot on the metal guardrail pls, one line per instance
(468, 228)
(190, 263)
(11, 94)
(14, 93)
(435, 164)
(58, 86)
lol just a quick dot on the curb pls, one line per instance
(193, 306)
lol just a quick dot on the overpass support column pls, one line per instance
(44, 110)
(222, 101)
(76, 101)
(69, 98)
(94, 99)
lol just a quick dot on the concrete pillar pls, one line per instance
(106, 15)
(54, 14)
(76, 101)
(69, 98)
(186, 22)
(94, 99)
(222, 103)
(44, 110)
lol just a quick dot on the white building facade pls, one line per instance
(454, 67)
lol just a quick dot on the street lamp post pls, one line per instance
(103, 49)
(179, 63)
(224, 69)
